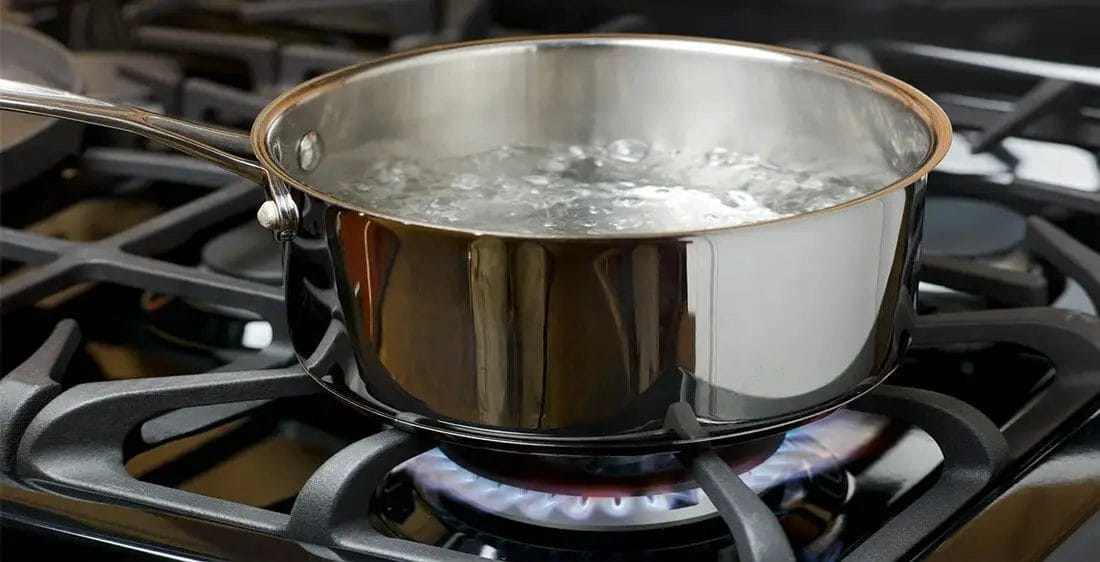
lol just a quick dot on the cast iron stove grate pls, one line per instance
(61, 449)
(74, 441)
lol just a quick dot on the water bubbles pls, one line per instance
(503, 152)
(624, 187)
(789, 206)
(626, 223)
(736, 198)
(717, 156)
(441, 203)
(596, 154)
(390, 174)
(811, 184)
(466, 182)
(536, 179)
(628, 150)
(556, 164)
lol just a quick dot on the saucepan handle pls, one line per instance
(278, 214)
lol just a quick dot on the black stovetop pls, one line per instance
(151, 409)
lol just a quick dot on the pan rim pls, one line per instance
(922, 106)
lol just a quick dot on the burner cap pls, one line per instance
(969, 228)
(247, 252)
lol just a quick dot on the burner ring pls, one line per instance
(603, 476)
(798, 461)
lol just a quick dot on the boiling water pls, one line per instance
(623, 187)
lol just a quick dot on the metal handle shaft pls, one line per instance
(201, 141)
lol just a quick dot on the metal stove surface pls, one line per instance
(164, 421)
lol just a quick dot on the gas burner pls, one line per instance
(799, 460)
(245, 252)
(967, 234)
(441, 480)
(807, 483)
(601, 476)
(969, 228)
(798, 466)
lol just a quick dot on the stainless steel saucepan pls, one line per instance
(579, 344)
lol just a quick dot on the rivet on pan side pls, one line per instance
(309, 151)
(268, 215)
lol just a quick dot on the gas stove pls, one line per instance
(152, 409)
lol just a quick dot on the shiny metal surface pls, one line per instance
(191, 138)
(569, 344)
(794, 109)
(579, 344)
(582, 343)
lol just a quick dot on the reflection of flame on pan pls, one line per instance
(802, 457)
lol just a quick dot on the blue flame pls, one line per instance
(804, 452)
(434, 473)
